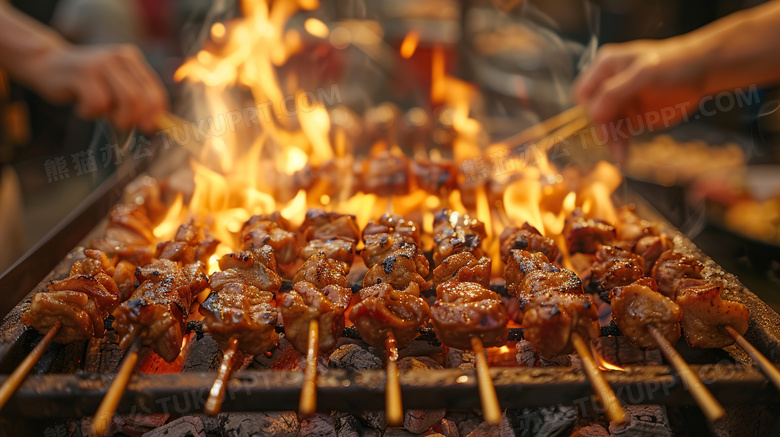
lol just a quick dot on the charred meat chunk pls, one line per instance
(455, 233)
(383, 309)
(273, 231)
(615, 267)
(671, 268)
(306, 302)
(321, 225)
(706, 314)
(337, 248)
(586, 235)
(465, 309)
(463, 267)
(241, 311)
(638, 305)
(526, 238)
(403, 267)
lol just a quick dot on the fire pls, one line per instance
(606, 365)
(409, 44)
(316, 28)
(278, 164)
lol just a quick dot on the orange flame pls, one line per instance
(409, 44)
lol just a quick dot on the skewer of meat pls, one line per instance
(95, 285)
(558, 317)
(390, 308)
(238, 311)
(156, 312)
(651, 319)
(467, 315)
(707, 320)
(313, 311)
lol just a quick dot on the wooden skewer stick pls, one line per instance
(167, 121)
(543, 128)
(612, 406)
(308, 403)
(707, 402)
(394, 410)
(766, 366)
(491, 410)
(15, 379)
(105, 412)
(217, 393)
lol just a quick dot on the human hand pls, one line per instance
(635, 79)
(113, 81)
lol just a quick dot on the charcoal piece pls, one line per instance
(279, 424)
(527, 356)
(542, 422)
(347, 425)
(643, 421)
(420, 420)
(466, 421)
(321, 425)
(461, 360)
(488, 430)
(374, 419)
(354, 357)
(449, 428)
(188, 426)
(591, 431)
(202, 355)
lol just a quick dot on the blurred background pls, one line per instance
(714, 177)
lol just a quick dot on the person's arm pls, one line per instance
(112, 80)
(637, 77)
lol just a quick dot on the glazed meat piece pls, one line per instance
(521, 263)
(705, 314)
(637, 305)
(526, 238)
(671, 268)
(393, 224)
(455, 233)
(614, 267)
(382, 309)
(322, 271)
(190, 244)
(128, 235)
(80, 317)
(539, 286)
(243, 312)
(549, 323)
(631, 228)
(337, 248)
(147, 191)
(256, 268)
(321, 225)
(432, 177)
(306, 302)
(650, 249)
(404, 266)
(584, 235)
(124, 277)
(463, 267)
(273, 231)
(466, 309)
(159, 306)
(380, 246)
(80, 301)
(384, 173)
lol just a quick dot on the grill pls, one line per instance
(69, 381)
(444, 390)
